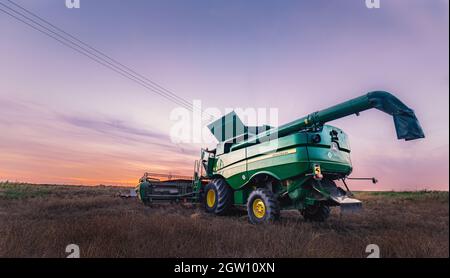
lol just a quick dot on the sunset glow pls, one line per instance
(66, 120)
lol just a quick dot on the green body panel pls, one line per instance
(231, 166)
(289, 157)
(276, 158)
(331, 160)
(240, 196)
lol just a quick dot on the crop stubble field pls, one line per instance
(41, 220)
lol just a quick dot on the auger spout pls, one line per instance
(406, 124)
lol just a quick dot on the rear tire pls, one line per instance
(262, 207)
(218, 197)
(316, 213)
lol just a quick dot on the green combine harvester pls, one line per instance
(266, 169)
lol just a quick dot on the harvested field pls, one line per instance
(41, 220)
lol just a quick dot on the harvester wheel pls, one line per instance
(316, 213)
(262, 206)
(217, 197)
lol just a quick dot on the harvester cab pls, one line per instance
(204, 166)
(294, 166)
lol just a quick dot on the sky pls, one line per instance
(66, 119)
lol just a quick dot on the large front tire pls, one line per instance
(218, 197)
(262, 207)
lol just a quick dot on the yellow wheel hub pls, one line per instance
(211, 198)
(259, 208)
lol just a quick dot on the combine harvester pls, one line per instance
(267, 169)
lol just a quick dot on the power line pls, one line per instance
(87, 54)
(111, 64)
(98, 51)
(140, 81)
(172, 97)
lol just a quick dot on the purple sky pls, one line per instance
(66, 119)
